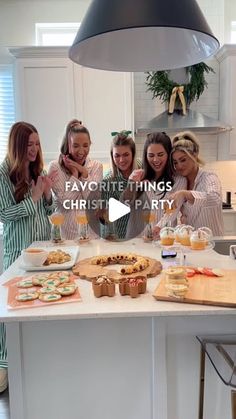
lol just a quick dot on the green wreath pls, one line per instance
(161, 86)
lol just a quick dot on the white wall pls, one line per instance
(18, 17)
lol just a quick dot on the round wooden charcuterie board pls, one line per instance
(85, 270)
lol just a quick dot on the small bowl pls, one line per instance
(34, 256)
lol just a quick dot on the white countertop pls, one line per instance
(229, 211)
(118, 306)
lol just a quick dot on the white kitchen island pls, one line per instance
(114, 358)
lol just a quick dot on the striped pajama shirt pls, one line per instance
(120, 225)
(23, 223)
(207, 207)
(160, 218)
(206, 211)
(70, 227)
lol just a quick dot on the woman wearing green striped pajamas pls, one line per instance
(25, 203)
(123, 162)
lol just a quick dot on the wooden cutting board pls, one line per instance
(85, 270)
(216, 291)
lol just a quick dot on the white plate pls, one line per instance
(72, 250)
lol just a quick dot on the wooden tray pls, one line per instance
(85, 270)
(216, 291)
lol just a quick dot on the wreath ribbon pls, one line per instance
(177, 90)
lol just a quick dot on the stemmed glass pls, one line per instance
(57, 219)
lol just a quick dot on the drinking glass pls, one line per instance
(83, 230)
(57, 219)
(149, 220)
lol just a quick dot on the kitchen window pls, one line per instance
(55, 34)
(233, 32)
(7, 109)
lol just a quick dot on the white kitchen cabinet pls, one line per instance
(227, 101)
(50, 90)
(229, 217)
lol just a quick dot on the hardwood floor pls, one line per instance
(4, 405)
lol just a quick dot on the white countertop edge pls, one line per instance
(191, 310)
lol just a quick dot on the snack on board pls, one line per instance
(39, 279)
(135, 263)
(66, 289)
(53, 282)
(27, 296)
(175, 276)
(57, 256)
(25, 283)
(176, 290)
(50, 287)
(49, 297)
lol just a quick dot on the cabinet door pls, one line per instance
(229, 224)
(45, 97)
(104, 102)
(50, 90)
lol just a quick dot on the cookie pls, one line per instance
(48, 290)
(27, 296)
(49, 297)
(63, 277)
(25, 283)
(67, 289)
(54, 282)
(39, 279)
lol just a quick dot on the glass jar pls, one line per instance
(167, 236)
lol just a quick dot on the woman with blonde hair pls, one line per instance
(200, 200)
(25, 203)
(74, 168)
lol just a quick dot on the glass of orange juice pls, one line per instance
(82, 222)
(57, 219)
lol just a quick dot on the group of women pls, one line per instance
(29, 195)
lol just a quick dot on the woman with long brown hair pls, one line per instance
(157, 171)
(76, 169)
(123, 162)
(25, 203)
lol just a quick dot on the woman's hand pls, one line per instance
(37, 189)
(75, 169)
(137, 175)
(179, 197)
(48, 181)
(71, 166)
(156, 232)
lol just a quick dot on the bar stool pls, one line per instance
(218, 348)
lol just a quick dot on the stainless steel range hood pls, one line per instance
(193, 121)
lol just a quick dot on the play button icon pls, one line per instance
(116, 210)
(115, 220)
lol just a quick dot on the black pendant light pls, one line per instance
(143, 35)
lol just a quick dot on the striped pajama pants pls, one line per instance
(7, 261)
